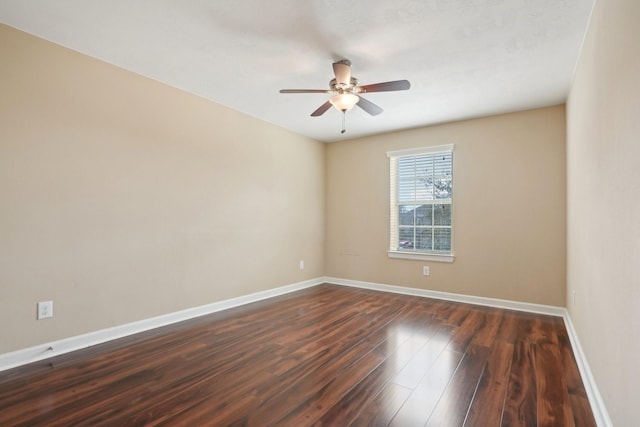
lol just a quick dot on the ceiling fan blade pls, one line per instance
(342, 70)
(369, 106)
(321, 110)
(304, 91)
(385, 87)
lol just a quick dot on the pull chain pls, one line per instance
(344, 113)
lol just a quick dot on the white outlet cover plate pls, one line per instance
(45, 309)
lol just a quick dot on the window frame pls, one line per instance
(394, 226)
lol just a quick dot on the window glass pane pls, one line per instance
(406, 214)
(405, 240)
(442, 239)
(442, 215)
(424, 215)
(423, 239)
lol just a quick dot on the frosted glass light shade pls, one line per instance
(344, 101)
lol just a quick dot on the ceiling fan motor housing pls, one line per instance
(343, 88)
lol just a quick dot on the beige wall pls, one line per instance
(122, 198)
(603, 116)
(509, 208)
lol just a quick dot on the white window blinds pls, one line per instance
(421, 192)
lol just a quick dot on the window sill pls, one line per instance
(421, 257)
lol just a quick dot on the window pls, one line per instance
(421, 202)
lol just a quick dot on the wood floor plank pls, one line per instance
(421, 361)
(308, 400)
(383, 407)
(488, 401)
(582, 412)
(520, 407)
(326, 355)
(553, 404)
(508, 329)
(348, 408)
(487, 332)
(569, 365)
(418, 407)
(454, 403)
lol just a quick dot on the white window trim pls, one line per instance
(419, 256)
(422, 150)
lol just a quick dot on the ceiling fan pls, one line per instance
(345, 91)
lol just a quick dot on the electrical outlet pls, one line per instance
(301, 264)
(425, 270)
(45, 309)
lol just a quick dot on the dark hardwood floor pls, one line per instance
(325, 356)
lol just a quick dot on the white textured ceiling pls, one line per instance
(464, 58)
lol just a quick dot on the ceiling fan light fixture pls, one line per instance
(344, 101)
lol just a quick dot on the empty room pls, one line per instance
(321, 213)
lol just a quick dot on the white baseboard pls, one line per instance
(66, 345)
(469, 299)
(595, 399)
(598, 407)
